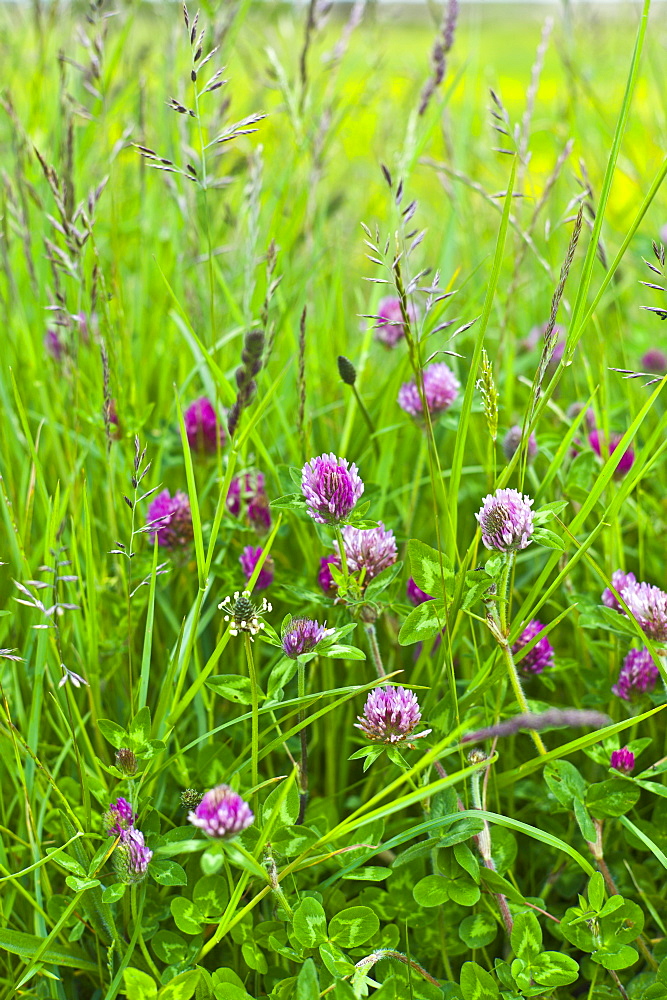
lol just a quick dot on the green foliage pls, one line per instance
(155, 221)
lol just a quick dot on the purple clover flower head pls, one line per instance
(331, 487)
(390, 326)
(222, 813)
(598, 442)
(119, 818)
(302, 635)
(654, 361)
(648, 605)
(249, 559)
(638, 675)
(248, 490)
(369, 549)
(541, 656)
(622, 760)
(513, 440)
(259, 513)
(53, 345)
(441, 387)
(202, 426)
(324, 577)
(620, 581)
(234, 497)
(170, 519)
(536, 337)
(415, 594)
(506, 520)
(131, 857)
(574, 409)
(391, 715)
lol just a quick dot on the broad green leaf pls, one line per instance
(477, 983)
(342, 652)
(233, 687)
(478, 930)
(307, 983)
(112, 893)
(167, 872)
(552, 969)
(113, 733)
(431, 890)
(289, 807)
(140, 727)
(138, 985)
(310, 923)
(565, 781)
(187, 916)
(596, 891)
(335, 960)
(526, 936)
(613, 797)
(169, 947)
(211, 895)
(372, 873)
(353, 926)
(425, 621)
(621, 957)
(180, 988)
(428, 568)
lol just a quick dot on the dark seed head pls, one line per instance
(346, 370)
(243, 609)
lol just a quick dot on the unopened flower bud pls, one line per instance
(126, 762)
(190, 798)
(346, 370)
(622, 760)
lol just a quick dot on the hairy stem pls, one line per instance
(303, 767)
(254, 694)
(369, 629)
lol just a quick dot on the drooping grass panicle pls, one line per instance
(441, 49)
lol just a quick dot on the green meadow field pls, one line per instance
(334, 611)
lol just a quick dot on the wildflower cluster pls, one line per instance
(331, 487)
(243, 615)
(391, 715)
(221, 813)
(646, 603)
(506, 521)
(131, 856)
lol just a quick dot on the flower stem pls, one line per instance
(496, 619)
(254, 694)
(341, 552)
(483, 842)
(596, 849)
(303, 768)
(369, 629)
(367, 417)
(518, 690)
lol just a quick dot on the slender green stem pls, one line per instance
(303, 768)
(367, 417)
(142, 944)
(518, 690)
(254, 694)
(503, 597)
(341, 550)
(483, 842)
(376, 655)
